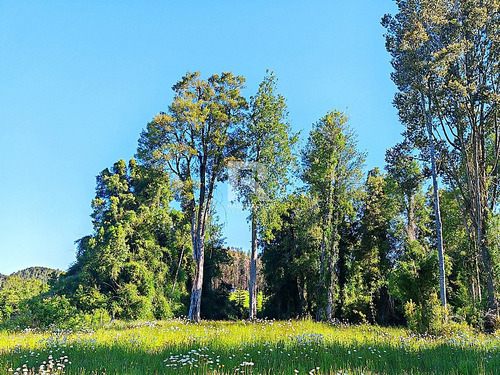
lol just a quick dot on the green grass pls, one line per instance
(272, 347)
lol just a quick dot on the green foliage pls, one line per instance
(263, 177)
(48, 311)
(332, 170)
(240, 302)
(16, 291)
(366, 293)
(290, 260)
(129, 264)
(216, 291)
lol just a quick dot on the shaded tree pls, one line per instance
(290, 260)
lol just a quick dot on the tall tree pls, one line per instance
(371, 257)
(194, 141)
(290, 259)
(413, 76)
(263, 176)
(124, 266)
(332, 170)
(446, 60)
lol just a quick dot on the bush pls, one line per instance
(133, 305)
(162, 308)
(413, 315)
(433, 318)
(96, 319)
(46, 311)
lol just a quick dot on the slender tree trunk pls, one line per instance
(178, 267)
(478, 280)
(199, 259)
(320, 314)
(411, 230)
(195, 306)
(253, 272)
(481, 205)
(437, 211)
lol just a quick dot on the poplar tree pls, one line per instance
(332, 169)
(264, 176)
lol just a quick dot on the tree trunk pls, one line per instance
(411, 230)
(178, 267)
(331, 285)
(253, 272)
(481, 217)
(437, 211)
(195, 306)
(199, 260)
(322, 280)
(490, 283)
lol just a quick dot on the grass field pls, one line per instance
(270, 347)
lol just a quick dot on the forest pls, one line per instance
(414, 242)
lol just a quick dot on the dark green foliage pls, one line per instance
(133, 264)
(216, 290)
(368, 260)
(290, 261)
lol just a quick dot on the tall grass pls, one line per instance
(270, 347)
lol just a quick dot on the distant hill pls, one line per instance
(40, 273)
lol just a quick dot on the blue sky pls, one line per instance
(80, 79)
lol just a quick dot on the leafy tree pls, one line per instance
(15, 291)
(126, 265)
(290, 260)
(194, 140)
(216, 290)
(332, 170)
(446, 62)
(406, 173)
(371, 258)
(263, 178)
(413, 274)
(462, 266)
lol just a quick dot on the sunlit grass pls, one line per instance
(270, 347)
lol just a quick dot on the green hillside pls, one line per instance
(39, 273)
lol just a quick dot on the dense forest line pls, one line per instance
(414, 242)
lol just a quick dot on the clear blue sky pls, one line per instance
(80, 79)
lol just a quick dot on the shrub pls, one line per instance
(46, 311)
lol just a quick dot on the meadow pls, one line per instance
(266, 347)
